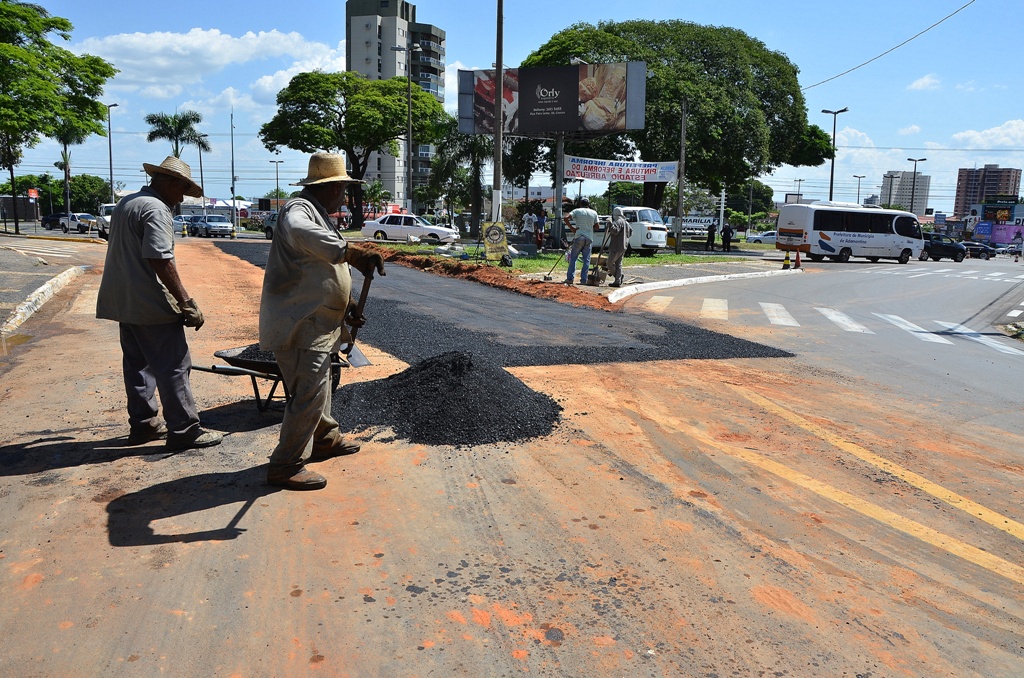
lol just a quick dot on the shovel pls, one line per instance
(352, 353)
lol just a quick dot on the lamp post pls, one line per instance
(202, 183)
(277, 180)
(890, 177)
(408, 129)
(110, 153)
(832, 174)
(913, 185)
(858, 177)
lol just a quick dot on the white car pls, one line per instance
(404, 226)
(768, 237)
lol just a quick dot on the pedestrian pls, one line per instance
(709, 244)
(141, 291)
(727, 238)
(306, 300)
(581, 222)
(619, 233)
(542, 218)
(529, 225)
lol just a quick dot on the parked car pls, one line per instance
(213, 225)
(52, 221)
(403, 226)
(79, 221)
(1013, 249)
(269, 224)
(938, 246)
(768, 237)
(979, 250)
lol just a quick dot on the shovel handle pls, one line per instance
(367, 279)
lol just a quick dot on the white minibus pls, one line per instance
(648, 233)
(843, 230)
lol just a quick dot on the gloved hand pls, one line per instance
(365, 262)
(352, 319)
(191, 316)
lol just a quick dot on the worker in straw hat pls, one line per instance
(141, 290)
(306, 297)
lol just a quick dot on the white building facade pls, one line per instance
(899, 188)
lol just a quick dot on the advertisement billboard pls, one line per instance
(584, 100)
(618, 170)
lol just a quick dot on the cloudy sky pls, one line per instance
(952, 95)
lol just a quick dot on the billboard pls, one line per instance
(584, 100)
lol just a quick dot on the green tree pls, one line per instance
(738, 197)
(41, 84)
(346, 112)
(746, 112)
(179, 129)
(456, 150)
(376, 196)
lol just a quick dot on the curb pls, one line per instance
(35, 301)
(624, 292)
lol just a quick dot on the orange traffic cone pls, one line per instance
(785, 262)
(797, 264)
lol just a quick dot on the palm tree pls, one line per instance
(179, 129)
(68, 134)
(456, 149)
(376, 196)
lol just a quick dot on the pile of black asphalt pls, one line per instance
(457, 336)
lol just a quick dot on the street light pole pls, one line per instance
(408, 121)
(913, 186)
(858, 177)
(110, 153)
(832, 174)
(202, 182)
(277, 180)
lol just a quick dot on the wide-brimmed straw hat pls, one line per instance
(178, 169)
(325, 168)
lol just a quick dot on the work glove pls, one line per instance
(364, 261)
(191, 316)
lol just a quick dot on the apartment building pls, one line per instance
(373, 29)
(974, 186)
(902, 188)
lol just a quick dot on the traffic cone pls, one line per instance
(1016, 257)
(797, 264)
(785, 263)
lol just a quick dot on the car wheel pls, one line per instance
(844, 255)
(64, 228)
(756, 241)
(904, 256)
(269, 233)
(983, 255)
(924, 255)
(432, 238)
(380, 235)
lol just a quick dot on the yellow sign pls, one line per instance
(495, 240)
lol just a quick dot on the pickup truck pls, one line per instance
(79, 221)
(938, 246)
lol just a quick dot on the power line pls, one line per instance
(890, 50)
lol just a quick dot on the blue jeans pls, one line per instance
(581, 244)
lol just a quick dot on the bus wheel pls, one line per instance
(844, 255)
(816, 257)
(904, 256)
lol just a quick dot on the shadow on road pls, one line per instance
(130, 516)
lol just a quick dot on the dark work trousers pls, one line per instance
(156, 359)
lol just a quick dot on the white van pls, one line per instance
(648, 233)
(843, 230)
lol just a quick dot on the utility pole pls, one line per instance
(680, 211)
(499, 96)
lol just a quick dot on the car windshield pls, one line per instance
(649, 215)
(85, 216)
(216, 218)
(420, 221)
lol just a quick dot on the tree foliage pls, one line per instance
(454, 151)
(178, 128)
(43, 87)
(345, 112)
(738, 197)
(746, 114)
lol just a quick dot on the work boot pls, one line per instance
(195, 439)
(332, 446)
(617, 283)
(290, 479)
(140, 435)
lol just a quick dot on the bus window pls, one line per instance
(908, 227)
(880, 223)
(825, 220)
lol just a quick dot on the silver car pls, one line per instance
(404, 226)
(214, 224)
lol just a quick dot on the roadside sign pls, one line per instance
(33, 192)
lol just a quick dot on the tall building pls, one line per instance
(373, 28)
(899, 187)
(973, 186)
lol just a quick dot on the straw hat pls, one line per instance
(325, 168)
(178, 169)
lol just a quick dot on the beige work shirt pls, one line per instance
(306, 285)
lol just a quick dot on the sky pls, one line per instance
(952, 95)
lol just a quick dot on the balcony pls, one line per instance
(431, 61)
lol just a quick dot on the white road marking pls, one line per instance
(1015, 314)
(995, 274)
(967, 332)
(968, 272)
(658, 304)
(844, 321)
(778, 315)
(943, 270)
(715, 309)
(43, 252)
(919, 332)
(920, 275)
